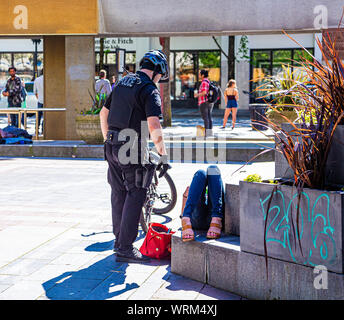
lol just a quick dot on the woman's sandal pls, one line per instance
(215, 228)
(186, 225)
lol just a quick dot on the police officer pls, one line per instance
(133, 107)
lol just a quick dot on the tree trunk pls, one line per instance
(231, 57)
(101, 54)
(166, 87)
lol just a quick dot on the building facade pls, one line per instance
(255, 56)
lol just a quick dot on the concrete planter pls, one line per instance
(88, 129)
(232, 209)
(320, 224)
(334, 166)
(282, 168)
(257, 115)
(277, 117)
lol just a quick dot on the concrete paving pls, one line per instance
(184, 127)
(56, 240)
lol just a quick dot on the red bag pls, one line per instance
(157, 243)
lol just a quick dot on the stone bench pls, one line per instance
(221, 263)
(232, 209)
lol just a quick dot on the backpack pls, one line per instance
(213, 93)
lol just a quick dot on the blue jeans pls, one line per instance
(200, 208)
(14, 117)
(40, 113)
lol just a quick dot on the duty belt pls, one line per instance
(115, 137)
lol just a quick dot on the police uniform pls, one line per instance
(133, 100)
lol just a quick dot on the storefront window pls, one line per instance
(261, 62)
(110, 62)
(185, 67)
(130, 58)
(23, 62)
(211, 61)
(269, 62)
(186, 75)
(40, 61)
(111, 58)
(280, 58)
(5, 63)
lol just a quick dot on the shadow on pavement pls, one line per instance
(81, 284)
(95, 282)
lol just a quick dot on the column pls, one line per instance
(224, 69)
(54, 87)
(80, 79)
(69, 70)
(242, 75)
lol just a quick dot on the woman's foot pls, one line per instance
(223, 127)
(187, 232)
(214, 231)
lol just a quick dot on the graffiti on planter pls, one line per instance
(312, 241)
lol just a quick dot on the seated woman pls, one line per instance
(204, 205)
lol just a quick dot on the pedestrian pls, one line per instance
(113, 78)
(134, 106)
(205, 107)
(13, 92)
(103, 85)
(204, 206)
(231, 101)
(38, 88)
(23, 105)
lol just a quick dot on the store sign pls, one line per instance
(42, 17)
(117, 43)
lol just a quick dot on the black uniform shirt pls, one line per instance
(149, 103)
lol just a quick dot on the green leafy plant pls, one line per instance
(98, 101)
(254, 178)
(279, 88)
(244, 50)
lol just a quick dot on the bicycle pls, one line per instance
(161, 199)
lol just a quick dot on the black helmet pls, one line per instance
(158, 61)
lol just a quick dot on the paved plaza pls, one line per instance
(184, 127)
(56, 241)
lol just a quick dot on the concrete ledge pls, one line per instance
(53, 151)
(16, 150)
(189, 259)
(232, 209)
(245, 274)
(178, 151)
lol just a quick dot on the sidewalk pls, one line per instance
(241, 144)
(184, 124)
(56, 240)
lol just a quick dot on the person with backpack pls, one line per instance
(207, 95)
(231, 101)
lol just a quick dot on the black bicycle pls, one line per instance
(161, 199)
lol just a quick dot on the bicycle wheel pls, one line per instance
(166, 198)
